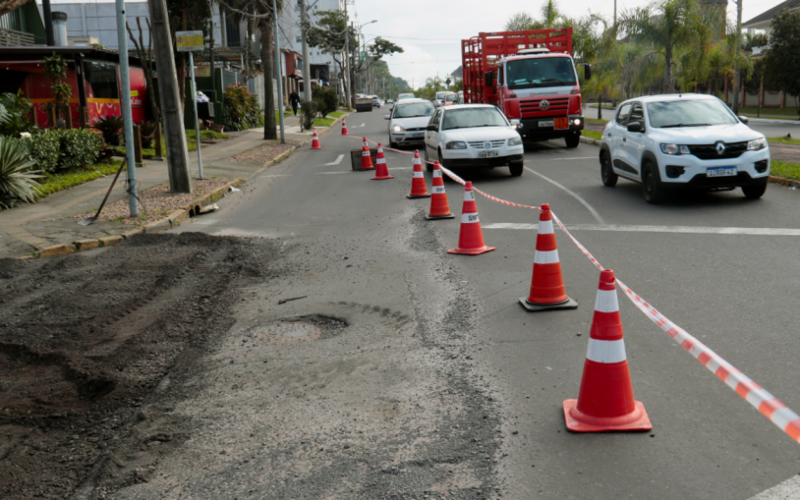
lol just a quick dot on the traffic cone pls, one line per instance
(470, 239)
(315, 140)
(547, 285)
(344, 128)
(418, 187)
(440, 209)
(605, 401)
(366, 157)
(381, 170)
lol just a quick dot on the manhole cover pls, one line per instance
(289, 332)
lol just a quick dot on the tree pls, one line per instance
(329, 35)
(265, 25)
(584, 38)
(7, 6)
(782, 58)
(55, 68)
(520, 21)
(148, 64)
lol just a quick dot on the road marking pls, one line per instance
(565, 159)
(787, 489)
(275, 175)
(571, 193)
(752, 231)
(338, 161)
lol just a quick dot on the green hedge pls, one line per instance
(55, 150)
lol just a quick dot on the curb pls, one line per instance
(174, 219)
(767, 120)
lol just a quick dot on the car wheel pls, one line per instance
(516, 169)
(441, 160)
(428, 165)
(606, 172)
(392, 145)
(573, 140)
(754, 191)
(652, 188)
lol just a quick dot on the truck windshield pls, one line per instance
(540, 72)
(473, 117)
(413, 110)
(689, 113)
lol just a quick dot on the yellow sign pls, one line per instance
(188, 41)
(134, 93)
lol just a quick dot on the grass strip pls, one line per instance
(591, 134)
(785, 169)
(783, 140)
(790, 112)
(337, 114)
(323, 122)
(52, 183)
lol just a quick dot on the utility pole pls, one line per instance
(171, 106)
(278, 68)
(352, 69)
(615, 13)
(48, 23)
(737, 75)
(348, 82)
(306, 62)
(125, 104)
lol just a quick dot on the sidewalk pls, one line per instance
(31, 227)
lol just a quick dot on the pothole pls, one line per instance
(303, 329)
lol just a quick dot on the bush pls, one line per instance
(309, 109)
(327, 101)
(17, 179)
(111, 128)
(147, 131)
(16, 117)
(241, 109)
(56, 150)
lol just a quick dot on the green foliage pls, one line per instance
(147, 131)
(56, 150)
(782, 59)
(323, 122)
(111, 128)
(784, 140)
(55, 68)
(60, 181)
(327, 101)
(309, 109)
(785, 169)
(242, 110)
(17, 108)
(17, 179)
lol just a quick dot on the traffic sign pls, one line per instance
(188, 41)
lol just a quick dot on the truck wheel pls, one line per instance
(573, 140)
(754, 191)
(516, 169)
(652, 188)
(606, 172)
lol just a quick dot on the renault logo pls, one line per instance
(544, 105)
(720, 148)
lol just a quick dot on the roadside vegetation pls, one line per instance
(785, 169)
(784, 140)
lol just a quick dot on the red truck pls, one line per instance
(531, 76)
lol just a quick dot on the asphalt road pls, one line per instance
(695, 258)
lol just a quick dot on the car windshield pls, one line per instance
(439, 95)
(405, 96)
(450, 97)
(473, 117)
(541, 72)
(413, 110)
(689, 113)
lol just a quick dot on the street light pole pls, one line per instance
(348, 82)
(125, 104)
(306, 62)
(277, 69)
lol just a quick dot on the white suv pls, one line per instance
(683, 140)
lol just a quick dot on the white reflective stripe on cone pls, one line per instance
(469, 218)
(469, 195)
(545, 227)
(606, 301)
(438, 189)
(418, 174)
(606, 351)
(437, 173)
(365, 153)
(549, 257)
(380, 160)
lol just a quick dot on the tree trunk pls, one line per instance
(600, 105)
(668, 88)
(268, 62)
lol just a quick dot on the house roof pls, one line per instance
(768, 15)
(26, 54)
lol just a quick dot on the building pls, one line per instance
(22, 27)
(762, 21)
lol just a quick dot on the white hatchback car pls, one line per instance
(683, 140)
(407, 122)
(473, 135)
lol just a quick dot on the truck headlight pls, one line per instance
(398, 129)
(675, 149)
(515, 141)
(757, 144)
(456, 145)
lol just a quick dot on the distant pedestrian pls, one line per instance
(294, 99)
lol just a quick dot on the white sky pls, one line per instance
(430, 31)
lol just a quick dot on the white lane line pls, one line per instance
(752, 231)
(338, 161)
(571, 193)
(275, 175)
(784, 491)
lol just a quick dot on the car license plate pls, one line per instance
(487, 154)
(546, 123)
(562, 123)
(721, 172)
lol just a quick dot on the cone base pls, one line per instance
(312, 147)
(471, 251)
(376, 178)
(437, 217)
(414, 196)
(532, 307)
(636, 421)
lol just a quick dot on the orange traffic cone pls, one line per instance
(440, 209)
(547, 285)
(381, 170)
(418, 187)
(366, 157)
(605, 401)
(470, 239)
(315, 140)
(344, 127)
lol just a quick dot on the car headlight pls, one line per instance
(515, 141)
(456, 145)
(675, 149)
(757, 144)
(398, 129)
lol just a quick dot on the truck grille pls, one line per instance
(709, 151)
(480, 144)
(560, 104)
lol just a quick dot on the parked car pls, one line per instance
(407, 122)
(376, 101)
(473, 135)
(437, 101)
(449, 99)
(407, 95)
(683, 141)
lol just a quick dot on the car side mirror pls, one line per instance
(587, 72)
(744, 119)
(386, 117)
(516, 123)
(432, 128)
(488, 77)
(635, 127)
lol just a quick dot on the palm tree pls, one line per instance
(520, 21)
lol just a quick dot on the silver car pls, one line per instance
(407, 122)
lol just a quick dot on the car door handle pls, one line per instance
(624, 139)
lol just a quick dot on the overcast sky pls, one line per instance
(430, 31)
